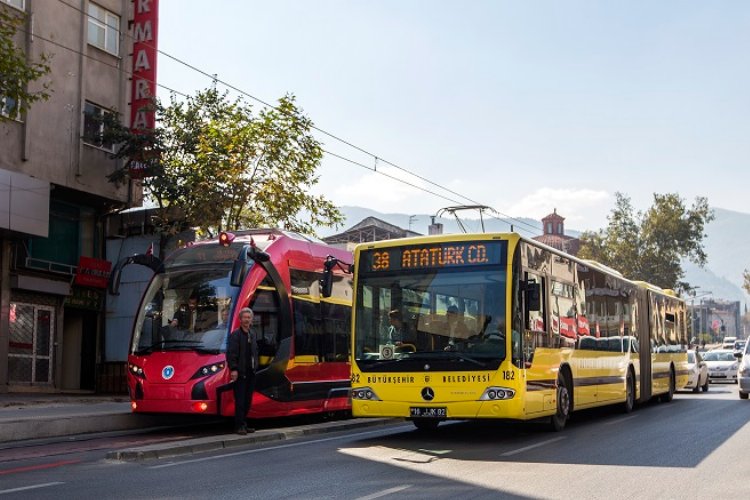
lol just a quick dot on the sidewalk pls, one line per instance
(34, 416)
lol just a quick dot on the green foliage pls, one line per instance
(16, 73)
(650, 246)
(227, 168)
(746, 284)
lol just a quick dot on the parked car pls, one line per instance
(739, 345)
(728, 342)
(743, 373)
(722, 365)
(697, 372)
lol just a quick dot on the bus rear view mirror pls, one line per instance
(533, 296)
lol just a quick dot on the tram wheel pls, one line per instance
(667, 397)
(560, 418)
(426, 424)
(629, 403)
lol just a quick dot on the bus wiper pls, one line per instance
(163, 343)
(431, 355)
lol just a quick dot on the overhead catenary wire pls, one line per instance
(377, 158)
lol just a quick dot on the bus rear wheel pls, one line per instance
(667, 396)
(560, 418)
(426, 424)
(743, 395)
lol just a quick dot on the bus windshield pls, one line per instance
(451, 318)
(186, 310)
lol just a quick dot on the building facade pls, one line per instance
(554, 235)
(55, 195)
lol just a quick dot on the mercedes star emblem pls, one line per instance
(428, 394)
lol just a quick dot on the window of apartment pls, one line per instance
(18, 4)
(8, 107)
(93, 125)
(104, 29)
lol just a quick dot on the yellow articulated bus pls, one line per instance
(482, 326)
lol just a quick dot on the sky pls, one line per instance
(524, 106)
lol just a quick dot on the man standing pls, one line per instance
(242, 358)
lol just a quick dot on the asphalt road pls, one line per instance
(695, 447)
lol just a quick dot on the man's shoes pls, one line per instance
(242, 431)
(249, 430)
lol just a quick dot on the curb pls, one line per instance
(226, 441)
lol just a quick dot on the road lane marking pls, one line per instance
(32, 487)
(617, 421)
(384, 492)
(531, 447)
(38, 467)
(279, 447)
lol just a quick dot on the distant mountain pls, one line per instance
(420, 222)
(727, 243)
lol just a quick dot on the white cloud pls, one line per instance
(386, 194)
(583, 209)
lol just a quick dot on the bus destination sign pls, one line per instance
(434, 256)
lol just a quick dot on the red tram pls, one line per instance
(177, 356)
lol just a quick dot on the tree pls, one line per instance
(746, 284)
(650, 246)
(16, 73)
(227, 168)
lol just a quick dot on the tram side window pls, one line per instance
(336, 325)
(265, 307)
(308, 329)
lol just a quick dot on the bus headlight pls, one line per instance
(364, 394)
(207, 370)
(495, 393)
(136, 370)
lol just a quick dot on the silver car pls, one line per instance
(743, 372)
(722, 365)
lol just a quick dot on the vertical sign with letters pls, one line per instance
(145, 40)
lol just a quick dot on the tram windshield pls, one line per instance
(186, 310)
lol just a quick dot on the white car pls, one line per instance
(697, 372)
(722, 365)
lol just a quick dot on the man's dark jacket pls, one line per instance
(237, 352)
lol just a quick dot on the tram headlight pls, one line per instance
(497, 393)
(136, 370)
(205, 371)
(364, 394)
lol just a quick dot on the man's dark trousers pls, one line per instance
(243, 395)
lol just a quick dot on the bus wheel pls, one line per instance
(426, 424)
(667, 397)
(560, 418)
(629, 404)
(743, 395)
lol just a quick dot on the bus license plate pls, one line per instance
(422, 412)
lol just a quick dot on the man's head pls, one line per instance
(394, 317)
(246, 318)
(192, 302)
(224, 315)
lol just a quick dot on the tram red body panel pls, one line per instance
(161, 380)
